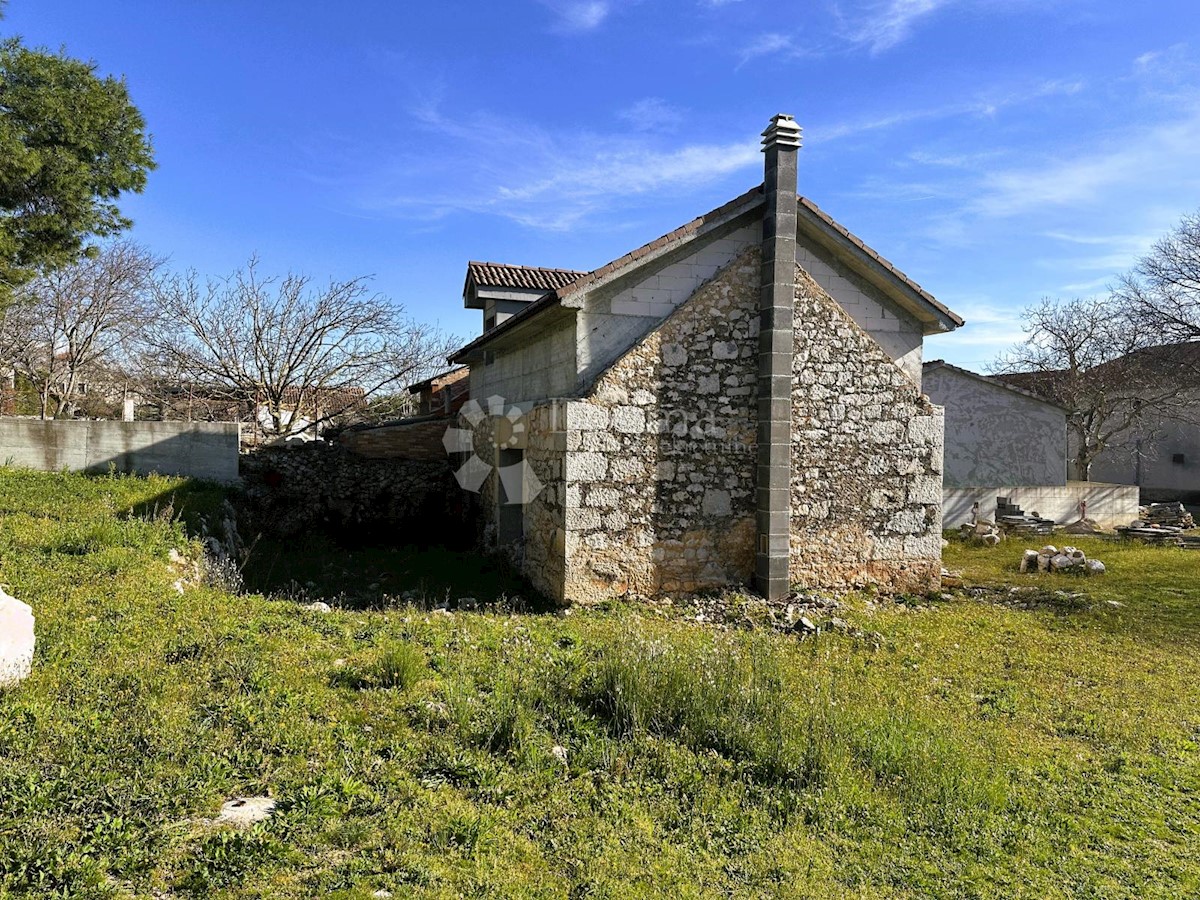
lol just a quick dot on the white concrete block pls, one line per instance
(16, 640)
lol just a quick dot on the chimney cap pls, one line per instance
(782, 132)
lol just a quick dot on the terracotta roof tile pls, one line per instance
(532, 277)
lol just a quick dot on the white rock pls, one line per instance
(1094, 567)
(1060, 562)
(16, 639)
(560, 753)
(1049, 550)
(1029, 562)
(243, 812)
(319, 606)
(1044, 562)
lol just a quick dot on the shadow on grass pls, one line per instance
(190, 501)
(362, 576)
(359, 572)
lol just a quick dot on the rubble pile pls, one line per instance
(1172, 514)
(1162, 523)
(1068, 559)
(982, 533)
(1011, 517)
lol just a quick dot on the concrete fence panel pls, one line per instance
(1109, 505)
(207, 450)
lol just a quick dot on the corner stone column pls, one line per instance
(777, 294)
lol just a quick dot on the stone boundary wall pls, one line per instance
(315, 486)
(866, 458)
(1109, 505)
(416, 439)
(206, 450)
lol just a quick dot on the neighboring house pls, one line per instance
(1003, 441)
(738, 400)
(1161, 452)
(996, 433)
(442, 394)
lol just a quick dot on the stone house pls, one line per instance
(1004, 441)
(738, 401)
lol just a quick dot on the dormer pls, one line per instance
(502, 291)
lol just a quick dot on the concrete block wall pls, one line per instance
(608, 326)
(206, 450)
(542, 366)
(900, 335)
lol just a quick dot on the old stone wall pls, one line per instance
(543, 558)
(658, 459)
(866, 458)
(657, 482)
(317, 486)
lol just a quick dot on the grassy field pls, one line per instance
(967, 747)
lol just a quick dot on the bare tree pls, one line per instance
(1097, 358)
(78, 322)
(1163, 290)
(302, 354)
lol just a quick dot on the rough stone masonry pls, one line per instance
(651, 477)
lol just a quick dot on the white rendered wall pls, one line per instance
(995, 435)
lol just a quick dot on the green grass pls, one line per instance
(968, 748)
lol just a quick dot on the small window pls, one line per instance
(1178, 458)
(489, 323)
(489, 357)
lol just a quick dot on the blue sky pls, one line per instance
(997, 151)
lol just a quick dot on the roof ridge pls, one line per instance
(500, 265)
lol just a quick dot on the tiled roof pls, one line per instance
(532, 277)
(854, 239)
(580, 281)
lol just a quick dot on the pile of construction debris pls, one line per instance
(982, 533)
(1011, 517)
(1170, 515)
(1068, 559)
(1162, 523)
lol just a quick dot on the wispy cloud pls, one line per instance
(881, 26)
(985, 103)
(579, 15)
(1160, 153)
(553, 180)
(768, 44)
(652, 114)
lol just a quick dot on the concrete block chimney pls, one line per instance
(777, 293)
